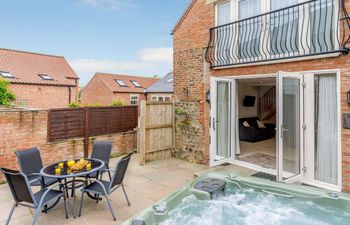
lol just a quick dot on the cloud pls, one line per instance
(109, 66)
(156, 55)
(108, 4)
(149, 58)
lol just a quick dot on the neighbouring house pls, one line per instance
(105, 88)
(162, 90)
(39, 80)
(264, 85)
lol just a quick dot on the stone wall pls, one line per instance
(22, 129)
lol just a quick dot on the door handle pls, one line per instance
(213, 122)
(284, 129)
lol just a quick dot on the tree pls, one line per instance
(6, 96)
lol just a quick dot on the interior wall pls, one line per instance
(263, 89)
(243, 90)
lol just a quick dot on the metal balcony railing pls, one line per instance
(310, 28)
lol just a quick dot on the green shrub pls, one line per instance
(74, 105)
(179, 111)
(117, 103)
(6, 96)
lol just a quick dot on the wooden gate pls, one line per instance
(156, 130)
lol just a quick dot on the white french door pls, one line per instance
(222, 122)
(289, 127)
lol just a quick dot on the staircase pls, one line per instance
(267, 104)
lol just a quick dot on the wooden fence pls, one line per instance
(85, 122)
(156, 130)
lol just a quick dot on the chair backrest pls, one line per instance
(29, 160)
(102, 151)
(19, 186)
(120, 170)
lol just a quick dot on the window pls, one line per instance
(170, 80)
(223, 13)
(6, 74)
(160, 99)
(167, 99)
(326, 128)
(45, 77)
(154, 99)
(135, 83)
(121, 83)
(134, 100)
(249, 30)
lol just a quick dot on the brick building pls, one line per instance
(264, 84)
(39, 80)
(105, 88)
(162, 90)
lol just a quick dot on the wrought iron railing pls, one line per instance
(310, 28)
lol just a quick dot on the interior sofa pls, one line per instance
(254, 133)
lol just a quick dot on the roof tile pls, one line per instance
(110, 81)
(26, 67)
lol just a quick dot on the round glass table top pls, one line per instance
(62, 170)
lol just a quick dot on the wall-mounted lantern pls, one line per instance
(207, 96)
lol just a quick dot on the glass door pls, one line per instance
(222, 120)
(290, 126)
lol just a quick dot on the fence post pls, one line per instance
(142, 132)
(86, 132)
(48, 133)
(122, 119)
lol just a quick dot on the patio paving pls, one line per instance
(145, 184)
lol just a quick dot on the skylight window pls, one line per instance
(45, 77)
(6, 74)
(121, 83)
(135, 83)
(170, 80)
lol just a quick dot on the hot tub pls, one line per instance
(246, 200)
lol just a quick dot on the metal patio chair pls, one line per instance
(102, 150)
(30, 164)
(24, 196)
(105, 188)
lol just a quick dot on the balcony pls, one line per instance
(309, 29)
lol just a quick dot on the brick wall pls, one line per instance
(97, 92)
(25, 129)
(44, 97)
(191, 82)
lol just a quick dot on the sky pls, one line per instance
(113, 36)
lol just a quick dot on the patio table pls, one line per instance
(49, 171)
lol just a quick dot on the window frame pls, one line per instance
(120, 82)
(134, 101)
(45, 76)
(136, 84)
(6, 74)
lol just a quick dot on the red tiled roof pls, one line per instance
(110, 81)
(26, 67)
